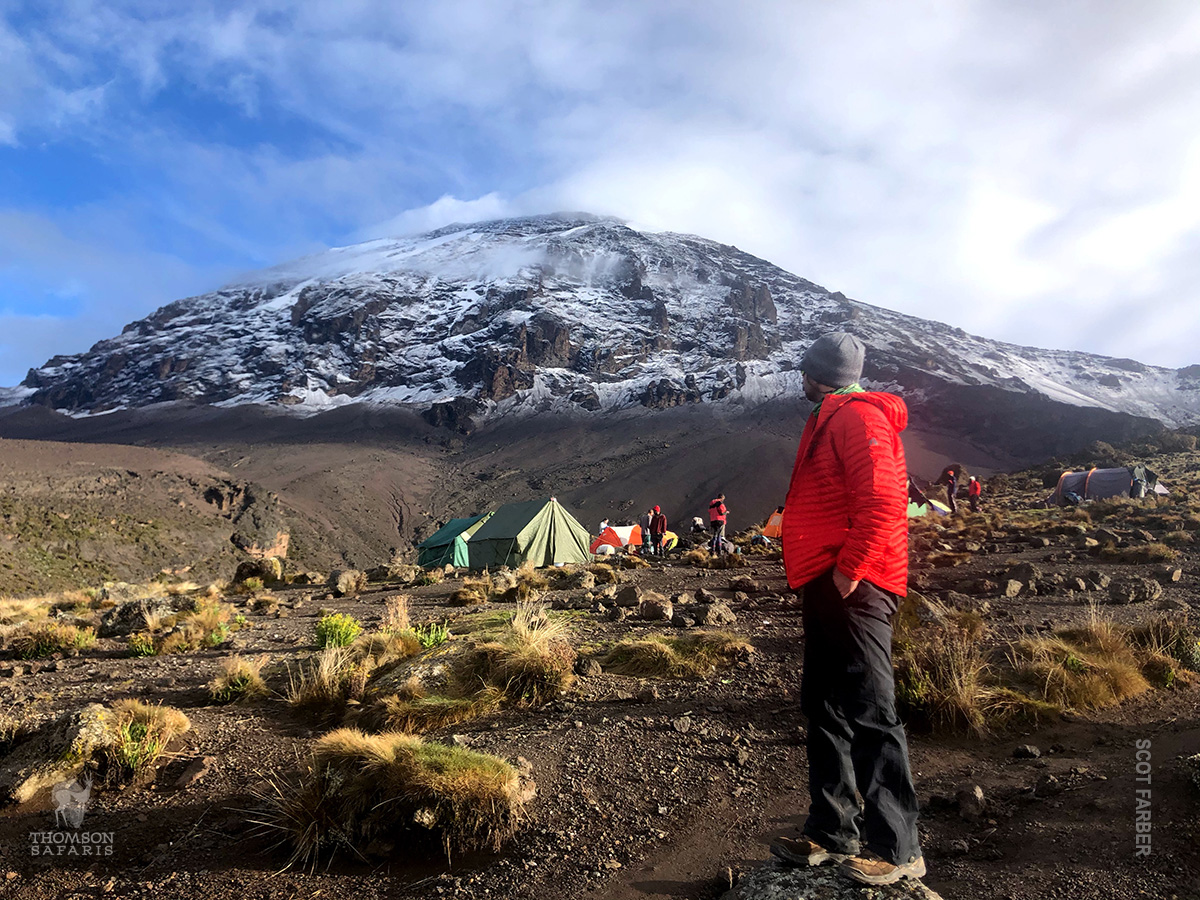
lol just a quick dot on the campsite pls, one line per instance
(660, 775)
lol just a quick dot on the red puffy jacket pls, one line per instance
(847, 504)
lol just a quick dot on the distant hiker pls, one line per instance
(974, 491)
(951, 490)
(644, 524)
(845, 542)
(698, 526)
(603, 525)
(658, 527)
(717, 513)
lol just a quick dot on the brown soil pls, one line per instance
(639, 797)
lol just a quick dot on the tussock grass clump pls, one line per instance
(384, 647)
(239, 679)
(413, 711)
(633, 561)
(207, 625)
(1179, 538)
(531, 662)
(947, 560)
(604, 573)
(322, 686)
(1146, 553)
(1084, 668)
(368, 794)
(18, 611)
(472, 593)
(428, 577)
(940, 680)
(693, 655)
(141, 733)
(337, 630)
(47, 638)
(12, 730)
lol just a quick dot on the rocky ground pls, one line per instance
(655, 788)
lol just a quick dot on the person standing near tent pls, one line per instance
(603, 525)
(951, 490)
(658, 527)
(644, 524)
(974, 492)
(845, 543)
(717, 514)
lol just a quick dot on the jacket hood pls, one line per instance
(892, 406)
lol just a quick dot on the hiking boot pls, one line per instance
(804, 852)
(869, 868)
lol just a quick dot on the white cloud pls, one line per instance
(1025, 171)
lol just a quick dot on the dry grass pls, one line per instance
(1146, 553)
(384, 647)
(412, 711)
(37, 641)
(141, 733)
(239, 679)
(322, 687)
(470, 594)
(1084, 668)
(532, 661)
(15, 611)
(369, 794)
(604, 573)
(207, 625)
(395, 614)
(693, 655)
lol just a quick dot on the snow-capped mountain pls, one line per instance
(569, 313)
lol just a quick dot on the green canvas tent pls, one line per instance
(449, 543)
(537, 531)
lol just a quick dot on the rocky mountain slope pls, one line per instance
(576, 314)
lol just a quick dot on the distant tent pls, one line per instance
(449, 543)
(618, 536)
(670, 540)
(774, 526)
(537, 531)
(1097, 484)
(920, 505)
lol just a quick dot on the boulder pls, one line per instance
(1025, 572)
(628, 597)
(775, 881)
(706, 596)
(1097, 579)
(745, 583)
(713, 614)
(347, 582)
(971, 803)
(655, 607)
(1134, 589)
(267, 569)
(1165, 574)
(1013, 588)
(126, 618)
(54, 753)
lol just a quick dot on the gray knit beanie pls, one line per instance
(834, 359)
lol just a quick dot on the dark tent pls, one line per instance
(1096, 484)
(537, 531)
(449, 543)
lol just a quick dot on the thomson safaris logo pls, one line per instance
(69, 838)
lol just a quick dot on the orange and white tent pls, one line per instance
(618, 536)
(774, 526)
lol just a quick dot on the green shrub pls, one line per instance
(337, 630)
(432, 635)
(48, 638)
(141, 644)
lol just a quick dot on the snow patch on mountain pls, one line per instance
(570, 313)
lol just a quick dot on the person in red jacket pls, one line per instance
(845, 543)
(974, 492)
(717, 514)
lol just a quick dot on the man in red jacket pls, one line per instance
(845, 528)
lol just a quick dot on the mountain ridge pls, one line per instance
(567, 313)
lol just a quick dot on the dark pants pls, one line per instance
(717, 544)
(855, 739)
(950, 500)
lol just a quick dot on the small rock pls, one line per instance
(196, 770)
(588, 668)
(648, 693)
(1026, 751)
(628, 597)
(1134, 589)
(971, 803)
(1013, 588)
(683, 724)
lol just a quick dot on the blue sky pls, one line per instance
(1026, 171)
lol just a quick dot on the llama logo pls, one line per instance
(72, 798)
